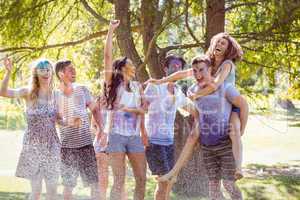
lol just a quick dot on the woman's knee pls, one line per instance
(192, 138)
(119, 179)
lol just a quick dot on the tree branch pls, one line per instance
(183, 46)
(58, 23)
(269, 32)
(269, 67)
(187, 21)
(152, 42)
(234, 6)
(66, 44)
(93, 12)
(26, 10)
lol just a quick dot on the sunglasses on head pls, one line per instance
(45, 64)
(121, 63)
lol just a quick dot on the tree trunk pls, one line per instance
(215, 19)
(150, 23)
(192, 181)
(125, 38)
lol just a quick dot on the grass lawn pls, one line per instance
(271, 162)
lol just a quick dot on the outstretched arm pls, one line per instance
(173, 77)
(108, 51)
(4, 90)
(219, 80)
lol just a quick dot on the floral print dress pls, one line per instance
(40, 155)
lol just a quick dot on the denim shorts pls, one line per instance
(98, 148)
(236, 109)
(127, 144)
(160, 158)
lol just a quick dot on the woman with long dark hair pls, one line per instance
(126, 132)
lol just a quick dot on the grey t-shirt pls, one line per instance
(214, 114)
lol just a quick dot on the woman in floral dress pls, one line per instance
(40, 155)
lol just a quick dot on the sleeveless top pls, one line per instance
(41, 129)
(126, 123)
(231, 76)
(41, 146)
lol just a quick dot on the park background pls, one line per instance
(268, 75)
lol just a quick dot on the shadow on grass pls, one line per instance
(272, 188)
(269, 182)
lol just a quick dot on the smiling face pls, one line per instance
(69, 74)
(201, 72)
(221, 47)
(128, 71)
(44, 72)
(174, 65)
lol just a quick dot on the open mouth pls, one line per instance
(218, 49)
(200, 79)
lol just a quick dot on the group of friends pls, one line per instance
(132, 120)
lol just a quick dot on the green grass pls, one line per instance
(277, 187)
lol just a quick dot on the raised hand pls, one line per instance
(8, 64)
(114, 24)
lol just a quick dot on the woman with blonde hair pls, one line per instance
(40, 155)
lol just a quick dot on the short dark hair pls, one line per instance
(60, 66)
(201, 59)
(171, 57)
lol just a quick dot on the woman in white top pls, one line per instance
(126, 133)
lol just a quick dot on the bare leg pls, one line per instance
(214, 190)
(169, 188)
(161, 191)
(102, 163)
(51, 190)
(68, 193)
(184, 156)
(139, 167)
(237, 147)
(233, 190)
(117, 161)
(36, 189)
